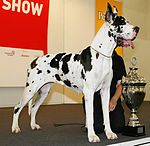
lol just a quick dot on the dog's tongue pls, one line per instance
(127, 43)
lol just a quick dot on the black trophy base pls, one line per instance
(134, 131)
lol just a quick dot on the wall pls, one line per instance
(137, 12)
(72, 27)
(69, 21)
(68, 33)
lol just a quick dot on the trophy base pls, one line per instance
(134, 131)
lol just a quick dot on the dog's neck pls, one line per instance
(102, 43)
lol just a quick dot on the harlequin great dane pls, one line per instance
(88, 71)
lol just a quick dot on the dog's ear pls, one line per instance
(115, 11)
(109, 14)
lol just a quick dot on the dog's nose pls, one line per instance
(136, 29)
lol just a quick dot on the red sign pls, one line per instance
(24, 24)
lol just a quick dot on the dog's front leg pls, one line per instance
(88, 94)
(105, 96)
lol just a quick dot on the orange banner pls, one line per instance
(101, 6)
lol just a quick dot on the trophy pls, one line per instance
(133, 93)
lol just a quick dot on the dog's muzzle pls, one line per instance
(126, 43)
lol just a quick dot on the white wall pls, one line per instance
(79, 30)
(72, 27)
(137, 12)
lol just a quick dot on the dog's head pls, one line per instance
(123, 32)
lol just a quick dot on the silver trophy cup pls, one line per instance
(133, 93)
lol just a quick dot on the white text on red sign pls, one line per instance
(23, 6)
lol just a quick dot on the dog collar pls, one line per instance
(102, 53)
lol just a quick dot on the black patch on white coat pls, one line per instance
(39, 71)
(27, 84)
(33, 63)
(28, 73)
(57, 77)
(65, 67)
(75, 86)
(76, 57)
(47, 55)
(119, 20)
(86, 59)
(16, 110)
(82, 75)
(67, 82)
(97, 55)
(48, 71)
(55, 61)
(118, 23)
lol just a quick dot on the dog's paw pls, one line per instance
(93, 138)
(111, 135)
(16, 130)
(35, 127)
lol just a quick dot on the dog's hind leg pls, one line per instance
(43, 92)
(27, 95)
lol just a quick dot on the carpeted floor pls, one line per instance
(69, 135)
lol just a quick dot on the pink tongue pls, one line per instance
(127, 43)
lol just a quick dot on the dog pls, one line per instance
(88, 71)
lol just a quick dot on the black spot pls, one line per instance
(29, 90)
(75, 86)
(86, 59)
(76, 57)
(28, 73)
(82, 75)
(32, 81)
(16, 110)
(57, 77)
(27, 84)
(47, 55)
(119, 30)
(44, 60)
(48, 71)
(67, 82)
(40, 92)
(55, 61)
(39, 72)
(97, 55)
(65, 59)
(33, 105)
(109, 34)
(33, 64)
(119, 20)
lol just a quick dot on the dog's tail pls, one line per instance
(29, 107)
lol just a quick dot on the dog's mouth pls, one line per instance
(126, 43)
